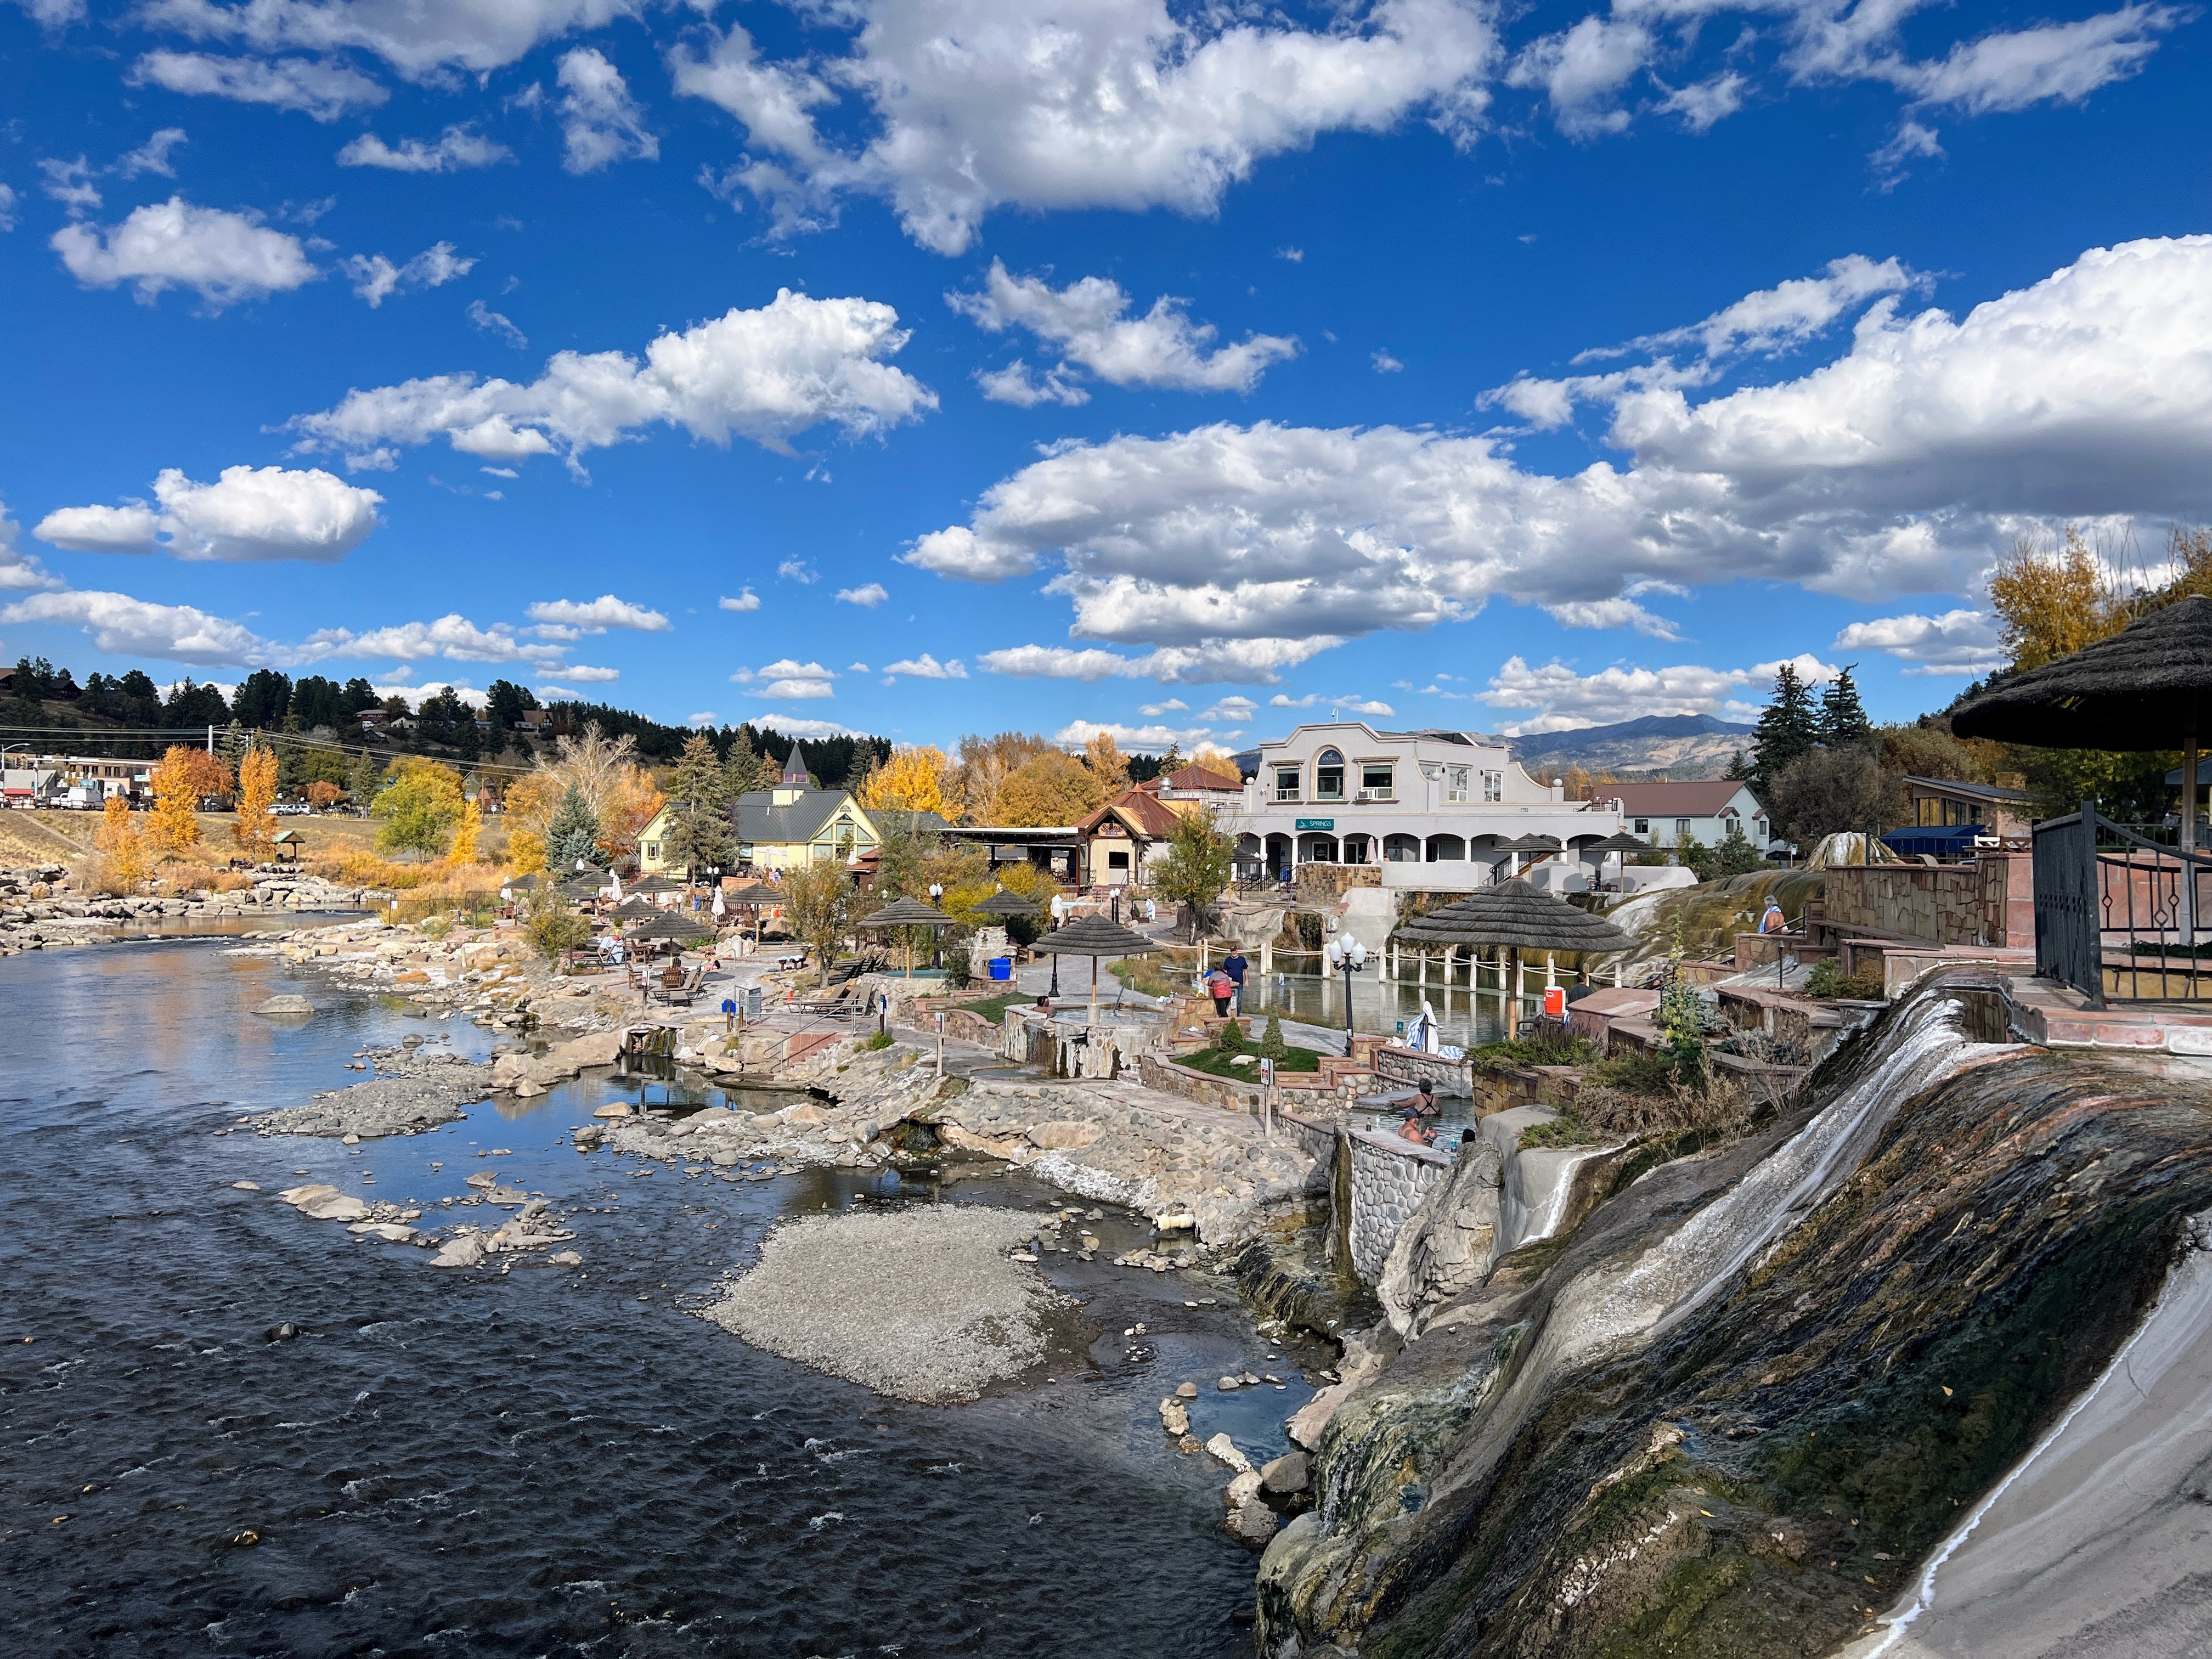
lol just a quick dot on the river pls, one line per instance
(541, 1461)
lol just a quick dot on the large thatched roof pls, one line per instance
(1004, 903)
(1529, 844)
(1094, 936)
(2138, 689)
(1617, 842)
(671, 924)
(1514, 915)
(906, 913)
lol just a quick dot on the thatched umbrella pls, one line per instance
(1618, 842)
(1514, 916)
(670, 923)
(905, 913)
(1004, 903)
(2140, 689)
(1095, 937)
(655, 884)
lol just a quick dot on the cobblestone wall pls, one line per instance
(1389, 1179)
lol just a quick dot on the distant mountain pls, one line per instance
(1675, 746)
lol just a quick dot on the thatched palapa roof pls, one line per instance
(2137, 690)
(1095, 936)
(1004, 903)
(1517, 916)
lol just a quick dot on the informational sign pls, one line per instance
(1267, 1072)
(1316, 823)
(752, 1002)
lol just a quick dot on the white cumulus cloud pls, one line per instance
(926, 667)
(1153, 739)
(867, 597)
(322, 91)
(125, 627)
(1088, 323)
(1903, 466)
(600, 123)
(418, 37)
(376, 279)
(223, 257)
(152, 155)
(787, 680)
(246, 515)
(765, 375)
(1098, 103)
(456, 149)
(18, 569)
(597, 616)
(746, 600)
(1563, 699)
(1961, 641)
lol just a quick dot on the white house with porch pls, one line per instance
(1433, 810)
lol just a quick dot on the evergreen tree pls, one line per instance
(1788, 726)
(699, 780)
(1843, 717)
(1738, 767)
(361, 782)
(1272, 1046)
(573, 835)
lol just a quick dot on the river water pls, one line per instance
(543, 1461)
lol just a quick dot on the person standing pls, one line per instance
(1234, 965)
(1772, 921)
(1220, 988)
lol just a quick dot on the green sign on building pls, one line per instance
(1316, 823)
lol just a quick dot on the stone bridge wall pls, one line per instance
(1390, 1176)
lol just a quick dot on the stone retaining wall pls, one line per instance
(1447, 1077)
(1390, 1176)
(1941, 904)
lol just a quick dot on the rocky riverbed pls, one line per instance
(417, 1087)
(38, 911)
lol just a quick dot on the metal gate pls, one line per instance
(2117, 917)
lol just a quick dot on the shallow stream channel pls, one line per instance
(539, 1459)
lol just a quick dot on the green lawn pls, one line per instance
(994, 1008)
(1214, 1063)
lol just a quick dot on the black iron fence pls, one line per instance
(2118, 916)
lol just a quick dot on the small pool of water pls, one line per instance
(1464, 1018)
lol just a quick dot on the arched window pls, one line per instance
(1328, 775)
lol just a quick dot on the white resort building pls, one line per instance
(1434, 810)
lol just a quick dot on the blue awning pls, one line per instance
(1955, 841)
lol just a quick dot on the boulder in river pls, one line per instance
(287, 1006)
(466, 1251)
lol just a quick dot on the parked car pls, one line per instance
(291, 809)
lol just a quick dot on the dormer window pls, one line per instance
(1328, 775)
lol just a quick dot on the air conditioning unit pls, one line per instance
(1377, 794)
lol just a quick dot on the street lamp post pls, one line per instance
(1346, 958)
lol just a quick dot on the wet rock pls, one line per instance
(1229, 1384)
(1187, 1390)
(615, 1109)
(1447, 1247)
(466, 1251)
(286, 1006)
(245, 1186)
(1242, 1490)
(566, 1259)
(1287, 1475)
(1224, 1451)
(283, 1333)
(1175, 1417)
(1253, 1523)
(392, 1232)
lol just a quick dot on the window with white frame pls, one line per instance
(1328, 775)
(1375, 783)
(1286, 783)
(1493, 787)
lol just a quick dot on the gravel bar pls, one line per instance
(920, 1304)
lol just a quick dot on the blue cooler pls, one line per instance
(1002, 968)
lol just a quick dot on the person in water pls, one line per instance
(1424, 1102)
(1413, 1129)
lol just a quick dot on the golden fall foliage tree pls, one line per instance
(256, 828)
(122, 844)
(1055, 788)
(465, 834)
(176, 799)
(2053, 603)
(632, 803)
(531, 800)
(915, 779)
(1103, 756)
(985, 763)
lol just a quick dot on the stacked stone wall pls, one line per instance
(1941, 904)
(1389, 1178)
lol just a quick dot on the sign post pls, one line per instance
(940, 1045)
(1268, 1097)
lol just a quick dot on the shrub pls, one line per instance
(959, 971)
(1826, 979)
(1272, 1046)
(881, 1040)
(552, 928)
(1231, 1041)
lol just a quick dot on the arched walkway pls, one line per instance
(1443, 848)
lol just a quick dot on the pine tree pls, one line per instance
(573, 837)
(362, 781)
(1843, 717)
(1788, 726)
(1272, 1046)
(1738, 767)
(699, 780)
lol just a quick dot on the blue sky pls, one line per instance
(919, 368)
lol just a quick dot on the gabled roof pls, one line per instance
(1200, 776)
(1143, 814)
(756, 817)
(1701, 799)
